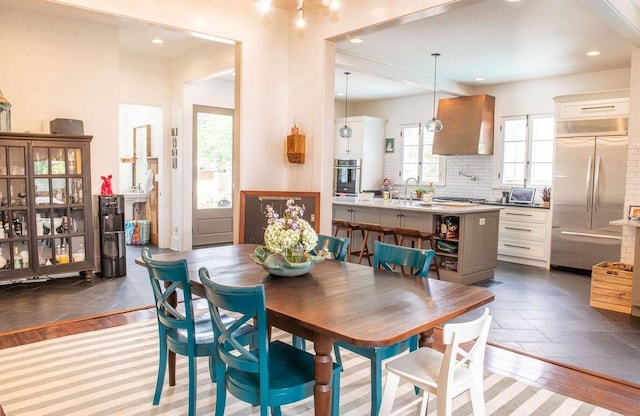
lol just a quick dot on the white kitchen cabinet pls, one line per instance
(523, 236)
(367, 144)
(593, 105)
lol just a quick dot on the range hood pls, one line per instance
(467, 126)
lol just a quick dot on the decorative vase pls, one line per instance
(279, 265)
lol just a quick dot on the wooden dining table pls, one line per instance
(338, 301)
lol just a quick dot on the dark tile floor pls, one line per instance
(545, 313)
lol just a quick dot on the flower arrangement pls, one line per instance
(290, 235)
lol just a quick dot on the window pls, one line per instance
(527, 155)
(417, 160)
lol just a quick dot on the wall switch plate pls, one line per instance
(483, 221)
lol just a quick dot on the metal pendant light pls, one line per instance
(434, 125)
(346, 131)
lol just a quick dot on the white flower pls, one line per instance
(282, 235)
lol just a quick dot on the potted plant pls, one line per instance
(546, 196)
(419, 192)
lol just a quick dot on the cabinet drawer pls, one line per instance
(594, 109)
(524, 214)
(530, 231)
(519, 248)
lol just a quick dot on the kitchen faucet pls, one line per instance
(406, 185)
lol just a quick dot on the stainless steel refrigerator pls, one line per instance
(587, 193)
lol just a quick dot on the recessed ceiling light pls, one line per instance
(593, 53)
(479, 79)
(340, 94)
(157, 41)
(356, 40)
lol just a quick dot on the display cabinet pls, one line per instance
(46, 223)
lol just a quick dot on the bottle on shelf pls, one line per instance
(17, 258)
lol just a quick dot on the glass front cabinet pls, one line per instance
(46, 223)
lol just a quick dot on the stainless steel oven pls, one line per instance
(346, 176)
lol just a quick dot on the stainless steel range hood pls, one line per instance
(468, 126)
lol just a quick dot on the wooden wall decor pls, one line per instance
(296, 148)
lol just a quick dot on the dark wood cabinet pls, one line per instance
(45, 206)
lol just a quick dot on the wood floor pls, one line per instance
(612, 394)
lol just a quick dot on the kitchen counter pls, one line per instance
(446, 208)
(466, 233)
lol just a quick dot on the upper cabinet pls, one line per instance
(367, 144)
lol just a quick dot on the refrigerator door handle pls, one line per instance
(610, 237)
(596, 185)
(588, 180)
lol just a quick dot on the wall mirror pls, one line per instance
(141, 152)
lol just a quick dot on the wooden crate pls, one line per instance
(611, 286)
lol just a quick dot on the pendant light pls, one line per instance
(434, 125)
(346, 131)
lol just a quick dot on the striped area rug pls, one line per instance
(112, 372)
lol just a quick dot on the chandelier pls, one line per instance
(264, 6)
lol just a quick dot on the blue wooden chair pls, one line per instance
(386, 256)
(338, 248)
(335, 246)
(179, 329)
(269, 375)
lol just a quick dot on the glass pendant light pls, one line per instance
(346, 131)
(434, 125)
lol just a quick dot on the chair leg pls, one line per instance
(376, 384)
(432, 241)
(276, 411)
(221, 389)
(335, 394)
(424, 403)
(299, 342)
(364, 249)
(193, 384)
(476, 393)
(390, 391)
(212, 368)
(336, 351)
(162, 367)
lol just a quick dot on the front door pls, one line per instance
(212, 175)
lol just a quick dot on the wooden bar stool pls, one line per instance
(416, 237)
(348, 228)
(377, 231)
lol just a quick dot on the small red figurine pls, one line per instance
(106, 185)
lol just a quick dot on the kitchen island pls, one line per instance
(466, 233)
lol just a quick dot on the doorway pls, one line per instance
(212, 175)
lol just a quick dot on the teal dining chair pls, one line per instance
(271, 373)
(182, 330)
(385, 256)
(335, 246)
(338, 248)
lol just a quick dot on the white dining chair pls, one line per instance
(444, 375)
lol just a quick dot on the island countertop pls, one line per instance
(449, 207)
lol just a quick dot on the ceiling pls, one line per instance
(499, 40)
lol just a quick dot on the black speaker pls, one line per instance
(66, 126)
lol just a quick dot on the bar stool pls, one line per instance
(416, 237)
(348, 228)
(377, 231)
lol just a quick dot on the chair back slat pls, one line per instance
(167, 279)
(387, 256)
(336, 246)
(242, 305)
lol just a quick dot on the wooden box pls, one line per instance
(611, 286)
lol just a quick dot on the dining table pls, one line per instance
(337, 301)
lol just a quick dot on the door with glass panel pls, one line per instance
(212, 175)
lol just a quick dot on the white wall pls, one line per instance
(530, 97)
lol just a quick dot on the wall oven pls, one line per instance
(346, 176)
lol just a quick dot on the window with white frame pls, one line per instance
(527, 156)
(418, 161)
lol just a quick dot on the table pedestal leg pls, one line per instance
(426, 339)
(323, 368)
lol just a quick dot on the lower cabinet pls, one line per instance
(466, 246)
(524, 236)
(353, 215)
